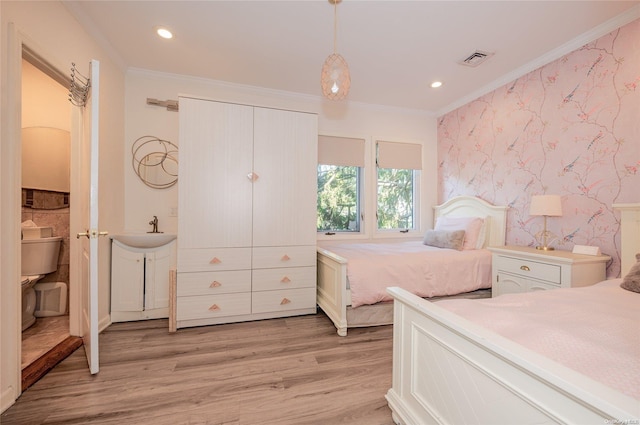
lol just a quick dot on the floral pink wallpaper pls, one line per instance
(570, 128)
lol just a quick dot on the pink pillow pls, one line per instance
(473, 229)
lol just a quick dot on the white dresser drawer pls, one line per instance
(286, 278)
(213, 306)
(211, 259)
(530, 269)
(209, 283)
(284, 256)
(283, 300)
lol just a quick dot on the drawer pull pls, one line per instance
(285, 280)
(525, 268)
(285, 257)
(214, 308)
(285, 301)
(215, 284)
(215, 260)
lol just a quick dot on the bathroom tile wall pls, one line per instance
(47, 211)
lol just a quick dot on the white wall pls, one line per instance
(52, 33)
(334, 118)
(44, 101)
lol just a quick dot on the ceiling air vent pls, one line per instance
(476, 58)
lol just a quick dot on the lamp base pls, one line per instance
(545, 248)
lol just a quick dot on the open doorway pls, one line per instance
(46, 197)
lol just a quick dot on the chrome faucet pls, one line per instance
(154, 223)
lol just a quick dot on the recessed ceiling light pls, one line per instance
(436, 84)
(164, 32)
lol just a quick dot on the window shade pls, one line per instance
(399, 155)
(343, 151)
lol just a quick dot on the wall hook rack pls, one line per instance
(79, 87)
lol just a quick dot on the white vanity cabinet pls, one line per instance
(518, 269)
(247, 213)
(140, 281)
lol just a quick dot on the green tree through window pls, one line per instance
(338, 198)
(395, 198)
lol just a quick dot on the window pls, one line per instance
(398, 174)
(340, 164)
(396, 194)
(338, 198)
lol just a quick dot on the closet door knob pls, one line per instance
(253, 176)
(215, 284)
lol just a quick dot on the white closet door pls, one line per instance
(216, 145)
(285, 161)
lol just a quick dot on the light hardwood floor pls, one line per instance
(43, 335)
(282, 371)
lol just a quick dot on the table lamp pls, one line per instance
(546, 206)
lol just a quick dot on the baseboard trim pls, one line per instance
(7, 399)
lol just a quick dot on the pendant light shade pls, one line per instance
(335, 79)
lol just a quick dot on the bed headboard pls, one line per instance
(469, 206)
(629, 235)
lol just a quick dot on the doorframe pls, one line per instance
(10, 249)
(75, 126)
(11, 170)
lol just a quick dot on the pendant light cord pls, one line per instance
(335, 26)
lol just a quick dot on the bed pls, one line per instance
(463, 362)
(334, 295)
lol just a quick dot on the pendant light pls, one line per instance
(335, 79)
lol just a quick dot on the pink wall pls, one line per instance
(571, 128)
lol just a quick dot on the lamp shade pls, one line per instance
(335, 79)
(548, 205)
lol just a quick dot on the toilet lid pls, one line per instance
(24, 279)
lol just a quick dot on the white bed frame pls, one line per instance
(447, 370)
(334, 298)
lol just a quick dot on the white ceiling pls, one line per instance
(395, 49)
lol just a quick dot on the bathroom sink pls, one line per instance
(144, 240)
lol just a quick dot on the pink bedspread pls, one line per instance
(423, 270)
(593, 330)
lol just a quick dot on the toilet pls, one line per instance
(28, 301)
(39, 257)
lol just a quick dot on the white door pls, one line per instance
(286, 159)
(88, 198)
(215, 184)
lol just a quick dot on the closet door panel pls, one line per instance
(216, 144)
(284, 195)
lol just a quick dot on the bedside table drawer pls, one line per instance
(530, 269)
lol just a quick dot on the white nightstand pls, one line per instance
(523, 269)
